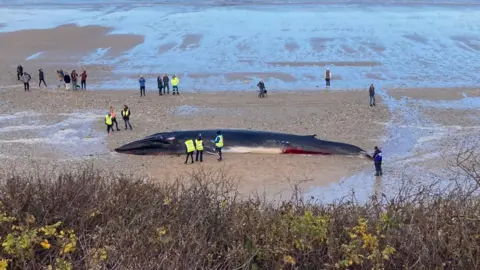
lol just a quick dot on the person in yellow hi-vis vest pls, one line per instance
(175, 83)
(199, 147)
(219, 144)
(190, 147)
(109, 123)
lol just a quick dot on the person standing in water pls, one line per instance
(126, 116)
(142, 86)
(190, 148)
(114, 118)
(41, 78)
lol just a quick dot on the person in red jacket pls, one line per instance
(83, 77)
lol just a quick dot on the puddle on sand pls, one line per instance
(74, 136)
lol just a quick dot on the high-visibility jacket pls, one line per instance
(126, 113)
(220, 141)
(199, 144)
(108, 120)
(190, 146)
(175, 81)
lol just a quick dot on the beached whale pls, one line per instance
(240, 141)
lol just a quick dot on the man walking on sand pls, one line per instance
(377, 159)
(41, 78)
(218, 144)
(142, 86)
(190, 148)
(165, 84)
(126, 116)
(83, 82)
(371, 92)
(108, 122)
(26, 81)
(175, 82)
(328, 76)
(160, 85)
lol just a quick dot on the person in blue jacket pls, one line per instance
(142, 85)
(377, 159)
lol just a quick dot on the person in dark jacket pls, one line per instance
(142, 85)
(66, 79)
(377, 159)
(166, 80)
(262, 91)
(41, 78)
(371, 92)
(160, 85)
(19, 72)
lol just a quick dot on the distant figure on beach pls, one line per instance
(19, 72)
(175, 83)
(126, 116)
(199, 147)
(108, 122)
(142, 86)
(26, 81)
(262, 90)
(160, 85)
(41, 78)
(74, 76)
(165, 84)
(66, 79)
(113, 115)
(60, 75)
(371, 92)
(328, 76)
(190, 148)
(377, 159)
(83, 82)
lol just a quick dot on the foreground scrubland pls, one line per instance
(85, 219)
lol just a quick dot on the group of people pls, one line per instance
(111, 118)
(72, 79)
(163, 84)
(196, 145)
(68, 79)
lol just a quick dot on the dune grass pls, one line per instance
(83, 219)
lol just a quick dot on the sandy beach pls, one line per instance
(414, 125)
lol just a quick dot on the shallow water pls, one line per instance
(216, 47)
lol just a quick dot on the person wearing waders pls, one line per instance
(377, 159)
(160, 85)
(328, 76)
(175, 83)
(199, 147)
(114, 118)
(142, 86)
(219, 144)
(19, 72)
(190, 148)
(41, 78)
(165, 84)
(371, 92)
(26, 81)
(108, 122)
(126, 116)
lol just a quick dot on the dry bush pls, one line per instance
(84, 219)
